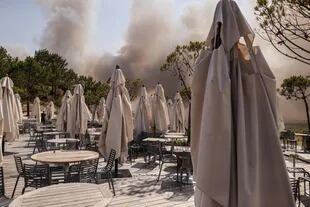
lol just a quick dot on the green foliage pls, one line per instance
(181, 62)
(295, 87)
(47, 76)
(286, 25)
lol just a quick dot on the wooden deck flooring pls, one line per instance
(140, 190)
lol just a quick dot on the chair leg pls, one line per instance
(161, 166)
(17, 179)
(23, 191)
(112, 183)
(109, 182)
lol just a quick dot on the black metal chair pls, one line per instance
(41, 145)
(295, 189)
(35, 176)
(165, 158)
(19, 168)
(106, 172)
(88, 171)
(185, 166)
(4, 201)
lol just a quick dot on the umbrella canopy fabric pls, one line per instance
(80, 114)
(179, 114)
(19, 107)
(170, 113)
(64, 112)
(9, 115)
(160, 114)
(101, 110)
(50, 110)
(237, 157)
(117, 128)
(36, 109)
(143, 115)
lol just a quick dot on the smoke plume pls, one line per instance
(66, 32)
(152, 33)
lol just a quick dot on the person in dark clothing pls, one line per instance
(43, 117)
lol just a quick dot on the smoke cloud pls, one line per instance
(66, 32)
(152, 33)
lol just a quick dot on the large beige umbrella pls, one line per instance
(237, 157)
(160, 117)
(64, 112)
(50, 110)
(80, 114)
(36, 109)
(9, 113)
(19, 107)
(101, 110)
(117, 128)
(179, 114)
(143, 115)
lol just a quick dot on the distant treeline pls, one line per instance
(47, 75)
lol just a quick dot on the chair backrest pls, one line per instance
(111, 160)
(18, 164)
(70, 145)
(2, 190)
(88, 170)
(41, 145)
(295, 187)
(36, 175)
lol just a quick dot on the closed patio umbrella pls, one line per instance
(101, 110)
(80, 114)
(19, 107)
(179, 114)
(117, 128)
(143, 115)
(9, 113)
(159, 110)
(170, 112)
(237, 157)
(36, 109)
(64, 112)
(50, 110)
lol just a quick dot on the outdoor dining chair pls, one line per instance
(295, 189)
(165, 158)
(88, 170)
(4, 201)
(35, 176)
(106, 171)
(19, 168)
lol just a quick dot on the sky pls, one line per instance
(23, 21)
(94, 35)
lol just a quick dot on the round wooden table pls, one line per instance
(64, 156)
(69, 194)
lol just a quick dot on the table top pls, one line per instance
(64, 156)
(301, 134)
(181, 149)
(54, 133)
(62, 140)
(69, 194)
(94, 133)
(175, 136)
(155, 139)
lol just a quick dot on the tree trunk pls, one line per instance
(308, 122)
(189, 124)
